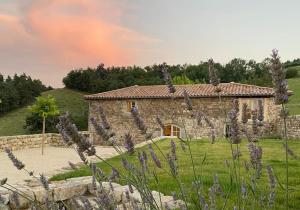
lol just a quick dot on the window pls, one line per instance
(176, 131)
(130, 105)
(171, 130)
(252, 103)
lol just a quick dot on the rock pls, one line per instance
(4, 207)
(69, 189)
(4, 196)
(136, 196)
(107, 186)
(19, 202)
(119, 193)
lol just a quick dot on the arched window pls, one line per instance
(171, 130)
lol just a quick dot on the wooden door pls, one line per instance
(167, 130)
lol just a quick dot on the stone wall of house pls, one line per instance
(171, 111)
(31, 141)
(293, 127)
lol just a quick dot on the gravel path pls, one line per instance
(54, 158)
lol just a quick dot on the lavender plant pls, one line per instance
(281, 98)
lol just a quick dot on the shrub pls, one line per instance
(291, 73)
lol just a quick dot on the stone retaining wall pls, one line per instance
(293, 127)
(76, 193)
(31, 141)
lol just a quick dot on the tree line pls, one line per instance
(18, 91)
(103, 78)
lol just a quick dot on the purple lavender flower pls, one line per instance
(144, 154)
(129, 145)
(100, 130)
(125, 163)
(236, 105)
(82, 157)
(100, 172)
(272, 180)
(201, 116)
(216, 186)
(234, 127)
(138, 120)
(244, 189)
(103, 118)
(213, 76)
(271, 199)
(255, 158)
(173, 149)
(114, 174)
(167, 78)
(244, 113)
(82, 143)
(260, 115)
(17, 163)
(278, 77)
(212, 198)
(86, 203)
(187, 101)
(172, 165)
(254, 122)
(66, 139)
(154, 157)
(44, 182)
(159, 122)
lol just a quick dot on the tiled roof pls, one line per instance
(194, 90)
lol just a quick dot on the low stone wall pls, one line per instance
(293, 127)
(32, 141)
(78, 193)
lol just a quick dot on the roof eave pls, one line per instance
(169, 97)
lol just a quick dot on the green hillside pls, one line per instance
(294, 102)
(67, 100)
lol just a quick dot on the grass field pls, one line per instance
(294, 102)
(216, 154)
(67, 100)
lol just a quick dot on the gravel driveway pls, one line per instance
(54, 158)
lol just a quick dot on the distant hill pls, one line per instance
(294, 85)
(67, 100)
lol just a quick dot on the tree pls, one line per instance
(44, 107)
(181, 80)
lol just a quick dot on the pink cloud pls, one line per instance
(58, 35)
(85, 37)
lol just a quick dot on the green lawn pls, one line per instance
(216, 154)
(13, 122)
(294, 102)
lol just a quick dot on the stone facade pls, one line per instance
(172, 111)
(31, 141)
(293, 127)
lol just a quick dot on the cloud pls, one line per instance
(66, 34)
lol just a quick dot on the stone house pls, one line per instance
(152, 101)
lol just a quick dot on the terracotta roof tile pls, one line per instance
(194, 90)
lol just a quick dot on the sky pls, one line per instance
(47, 38)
